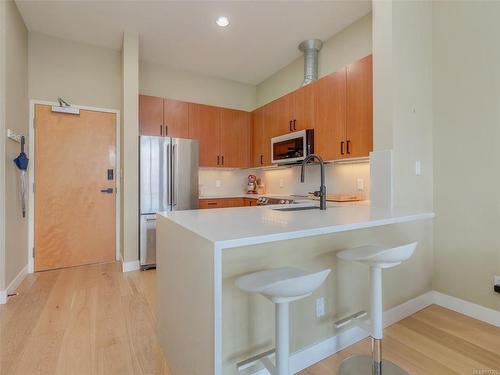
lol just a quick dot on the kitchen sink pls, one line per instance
(296, 208)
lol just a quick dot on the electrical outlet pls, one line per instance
(496, 284)
(320, 307)
(218, 183)
(282, 184)
(360, 184)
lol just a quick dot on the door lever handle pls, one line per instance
(107, 191)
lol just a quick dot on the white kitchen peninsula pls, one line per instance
(206, 325)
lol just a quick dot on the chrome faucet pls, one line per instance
(322, 189)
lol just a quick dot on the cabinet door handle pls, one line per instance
(348, 147)
(222, 159)
(294, 122)
(218, 159)
(342, 148)
(290, 125)
(161, 129)
(261, 159)
(166, 129)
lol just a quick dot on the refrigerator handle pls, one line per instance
(174, 160)
(169, 190)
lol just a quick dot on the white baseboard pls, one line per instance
(134, 265)
(470, 309)
(14, 284)
(313, 354)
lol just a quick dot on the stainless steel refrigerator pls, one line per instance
(168, 182)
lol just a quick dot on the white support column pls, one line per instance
(282, 339)
(376, 302)
(130, 148)
(377, 318)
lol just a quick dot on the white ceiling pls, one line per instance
(262, 37)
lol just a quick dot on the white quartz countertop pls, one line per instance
(242, 226)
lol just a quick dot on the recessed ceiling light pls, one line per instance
(222, 21)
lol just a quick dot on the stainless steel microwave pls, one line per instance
(293, 147)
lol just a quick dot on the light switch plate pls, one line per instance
(218, 183)
(281, 183)
(418, 168)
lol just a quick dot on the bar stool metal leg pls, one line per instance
(282, 339)
(374, 365)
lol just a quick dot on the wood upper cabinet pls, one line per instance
(302, 108)
(204, 125)
(235, 138)
(261, 150)
(359, 133)
(330, 116)
(150, 115)
(277, 116)
(175, 118)
(258, 137)
(162, 117)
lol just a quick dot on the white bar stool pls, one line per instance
(376, 257)
(281, 286)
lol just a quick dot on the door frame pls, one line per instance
(31, 177)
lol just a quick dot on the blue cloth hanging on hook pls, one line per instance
(22, 163)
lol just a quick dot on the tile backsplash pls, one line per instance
(220, 182)
(340, 179)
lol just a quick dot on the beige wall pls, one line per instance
(2, 144)
(130, 148)
(160, 80)
(80, 73)
(349, 45)
(466, 58)
(16, 118)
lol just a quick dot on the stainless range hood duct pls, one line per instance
(310, 48)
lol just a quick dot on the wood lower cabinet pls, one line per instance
(210, 203)
(175, 118)
(330, 116)
(204, 125)
(359, 122)
(249, 202)
(227, 202)
(150, 115)
(235, 138)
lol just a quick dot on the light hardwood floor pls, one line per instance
(83, 320)
(98, 320)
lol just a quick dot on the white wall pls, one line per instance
(466, 61)
(167, 82)
(15, 88)
(347, 46)
(80, 73)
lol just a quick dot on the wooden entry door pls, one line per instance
(75, 158)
